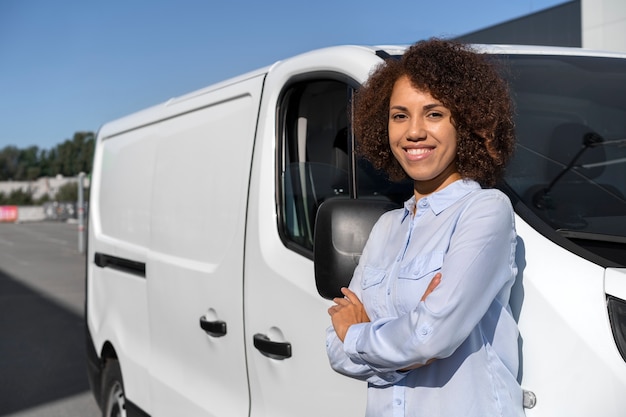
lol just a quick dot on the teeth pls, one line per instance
(418, 151)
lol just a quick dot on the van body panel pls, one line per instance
(570, 352)
(193, 252)
(195, 263)
(121, 300)
(117, 306)
(615, 282)
(173, 107)
(280, 297)
(125, 189)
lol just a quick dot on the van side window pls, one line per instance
(315, 159)
(313, 155)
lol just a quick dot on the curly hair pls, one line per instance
(465, 82)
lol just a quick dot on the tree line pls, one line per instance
(19, 197)
(69, 158)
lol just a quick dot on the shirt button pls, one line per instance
(398, 401)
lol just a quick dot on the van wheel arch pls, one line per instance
(113, 396)
(108, 352)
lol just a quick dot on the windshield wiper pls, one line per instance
(590, 140)
(617, 142)
(577, 234)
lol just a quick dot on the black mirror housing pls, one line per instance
(342, 227)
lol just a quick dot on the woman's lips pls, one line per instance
(416, 154)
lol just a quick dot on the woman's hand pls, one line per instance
(347, 311)
(433, 284)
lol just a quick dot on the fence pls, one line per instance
(54, 211)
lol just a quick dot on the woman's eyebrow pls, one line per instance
(426, 107)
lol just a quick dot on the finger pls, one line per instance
(432, 285)
(333, 310)
(350, 296)
(342, 301)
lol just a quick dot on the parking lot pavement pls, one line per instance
(42, 347)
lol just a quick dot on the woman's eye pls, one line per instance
(398, 116)
(435, 114)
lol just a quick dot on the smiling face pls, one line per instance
(422, 138)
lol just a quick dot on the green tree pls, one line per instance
(32, 173)
(43, 199)
(19, 197)
(44, 163)
(28, 164)
(69, 158)
(73, 156)
(9, 160)
(69, 192)
(54, 164)
(83, 152)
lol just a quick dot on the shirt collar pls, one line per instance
(442, 199)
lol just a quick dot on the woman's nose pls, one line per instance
(416, 130)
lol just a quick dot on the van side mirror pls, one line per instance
(342, 227)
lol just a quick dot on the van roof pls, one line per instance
(163, 110)
(517, 49)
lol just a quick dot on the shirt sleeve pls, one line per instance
(354, 367)
(344, 365)
(478, 270)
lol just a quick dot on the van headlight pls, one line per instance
(617, 317)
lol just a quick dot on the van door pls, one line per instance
(302, 158)
(195, 265)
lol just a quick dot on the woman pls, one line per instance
(443, 117)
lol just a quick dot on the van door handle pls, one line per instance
(274, 350)
(215, 328)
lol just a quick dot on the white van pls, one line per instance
(205, 296)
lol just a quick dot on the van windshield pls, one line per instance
(569, 167)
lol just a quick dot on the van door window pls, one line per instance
(316, 159)
(314, 155)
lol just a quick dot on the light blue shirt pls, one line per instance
(468, 234)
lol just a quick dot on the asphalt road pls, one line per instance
(42, 338)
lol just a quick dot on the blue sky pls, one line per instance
(72, 65)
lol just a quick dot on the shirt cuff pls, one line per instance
(349, 342)
(382, 377)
